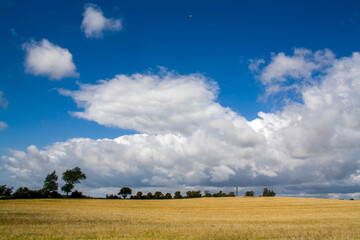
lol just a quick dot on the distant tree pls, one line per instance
(25, 193)
(125, 191)
(112, 196)
(168, 196)
(177, 194)
(139, 195)
(249, 194)
(50, 183)
(219, 194)
(22, 192)
(268, 193)
(231, 194)
(207, 193)
(158, 195)
(193, 194)
(5, 191)
(149, 195)
(71, 177)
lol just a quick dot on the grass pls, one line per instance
(205, 218)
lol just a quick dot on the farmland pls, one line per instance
(204, 218)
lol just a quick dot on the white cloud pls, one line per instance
(284, 71)
(254, 65)
(94, 22)
(3, 102)
(3, 126)
(46, 59)
(151, 103)
(187, 139)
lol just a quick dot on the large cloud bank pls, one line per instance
(186, 138)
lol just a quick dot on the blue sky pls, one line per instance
(210, 50)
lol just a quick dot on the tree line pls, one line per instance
(126, 191)
(75, 175)
(50, 187)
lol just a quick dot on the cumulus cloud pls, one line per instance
(289, 72)
(47, 59)
(3, 102)
(187, 139)
(94, 22)
(151, 103)
(3, 126)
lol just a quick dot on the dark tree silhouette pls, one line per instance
(71, 177)
(5, 191)
(125, 191)
(50, 183)
(249, 194)
(177, 194)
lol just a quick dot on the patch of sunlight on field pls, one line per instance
(205, 218)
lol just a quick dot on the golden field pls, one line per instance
(204, 218)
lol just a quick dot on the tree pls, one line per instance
(125, 191)
(149, 195)
(231, 194)
(5, 191)
(168, 196)
(249, 194)
(139, 195)
(193, 194)
(71, 177)
(177, 194)
(50, 183)
(268, 193)
(207, 194)
(158, 195)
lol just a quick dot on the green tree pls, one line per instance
(207, 194)
(168, 196)
(268, 193)
(71, 177)
(149, 195)
(177, 194)
(139, 195)
(249, 194)
(193, 194)
(125, 191)
(158, 195)
(50, 183)
(5, 191)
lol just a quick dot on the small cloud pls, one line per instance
(255, 64)
(3, 126)
(46, 59)
(94, 22)
(3, 102)
(13, 32)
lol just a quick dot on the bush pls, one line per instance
(26, 193)
(219, 194)
(112, 196)
(249, 194)
(55, 195)
(77, 194)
